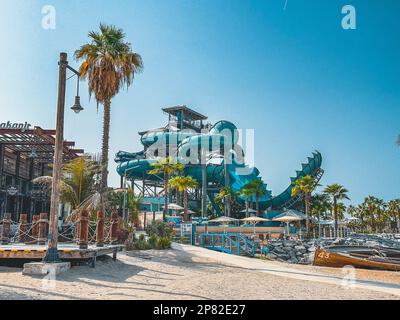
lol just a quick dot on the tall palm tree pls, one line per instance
(167, 167)
(375, 209)
(248, 194)
(258, 190)
(182, 184)
(320, 205)
(305, 185)
(109, 64)
(336, 192)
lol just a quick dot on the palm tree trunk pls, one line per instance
(185, 206)
(257, 206)
(165, 197)
(105, 145)
(336, 216)
(247, 207)
(307, 207)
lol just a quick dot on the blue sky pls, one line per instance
(293, 75)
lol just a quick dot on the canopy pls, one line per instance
(289, 216)
(250, 210)
(189, 211)
(174, 206)
(223, 219)
(254, 219)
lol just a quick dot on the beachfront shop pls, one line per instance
(26, 152)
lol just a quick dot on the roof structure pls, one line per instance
(37, 141)
(194, 115)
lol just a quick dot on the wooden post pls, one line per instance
(5, 234)
(145, 220)
(52, 251)
(35, 226)
(100, 229)
(114, 227)
(83, 229)
(23, 227)
(43, 221)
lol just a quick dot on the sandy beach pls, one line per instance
(182, 274)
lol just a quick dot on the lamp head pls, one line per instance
(77, 105)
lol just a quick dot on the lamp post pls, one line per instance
(52, 255)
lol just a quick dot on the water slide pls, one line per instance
(137, 165)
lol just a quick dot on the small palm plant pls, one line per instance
(257, 188)
(109, 64)
(306, 186)
(167, 167)
(182, 184)
(78, 181)
(336, 192)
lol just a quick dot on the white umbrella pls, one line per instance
(289, 216)
(254, 221)
(174, 206)
(250, 210)
(223, 220)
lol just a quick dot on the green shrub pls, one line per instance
(163, 243)
(153, 241)
(160, 229)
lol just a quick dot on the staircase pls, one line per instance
(231, 243)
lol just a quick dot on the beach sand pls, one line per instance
(174, 274)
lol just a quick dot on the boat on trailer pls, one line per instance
(329, 257)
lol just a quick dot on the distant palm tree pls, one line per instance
(248, 194)
(109, 64)
(182, 184)
(305, 185)
(167, 167)
(227, 196)
(337, 192)
(257, 188)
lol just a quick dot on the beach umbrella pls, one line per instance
(174, 206)
(224, 220)
(250, 210)
(254, 221)
(289, 216)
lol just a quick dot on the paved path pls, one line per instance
(280, 269)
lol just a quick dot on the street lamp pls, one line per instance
(52, 255)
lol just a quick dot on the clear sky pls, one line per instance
(291, 73)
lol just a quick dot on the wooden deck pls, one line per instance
(67, 252)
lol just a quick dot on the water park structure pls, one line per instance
(211, 155)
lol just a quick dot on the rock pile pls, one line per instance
(297, 252)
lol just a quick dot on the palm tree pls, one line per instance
(109, 64)
(305, 185)
(78, 180)
(167, 167)
(336, 192)
(320, 206)
(375, 210)
(182, 184)
(257, 188)
(227, 196)
(248, 194)
(393, 210)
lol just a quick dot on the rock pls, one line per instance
(278, 250)
(271, 255)
(298, 253)
(293, 260)
(284, 256)
(300, 248)
(289, 244)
